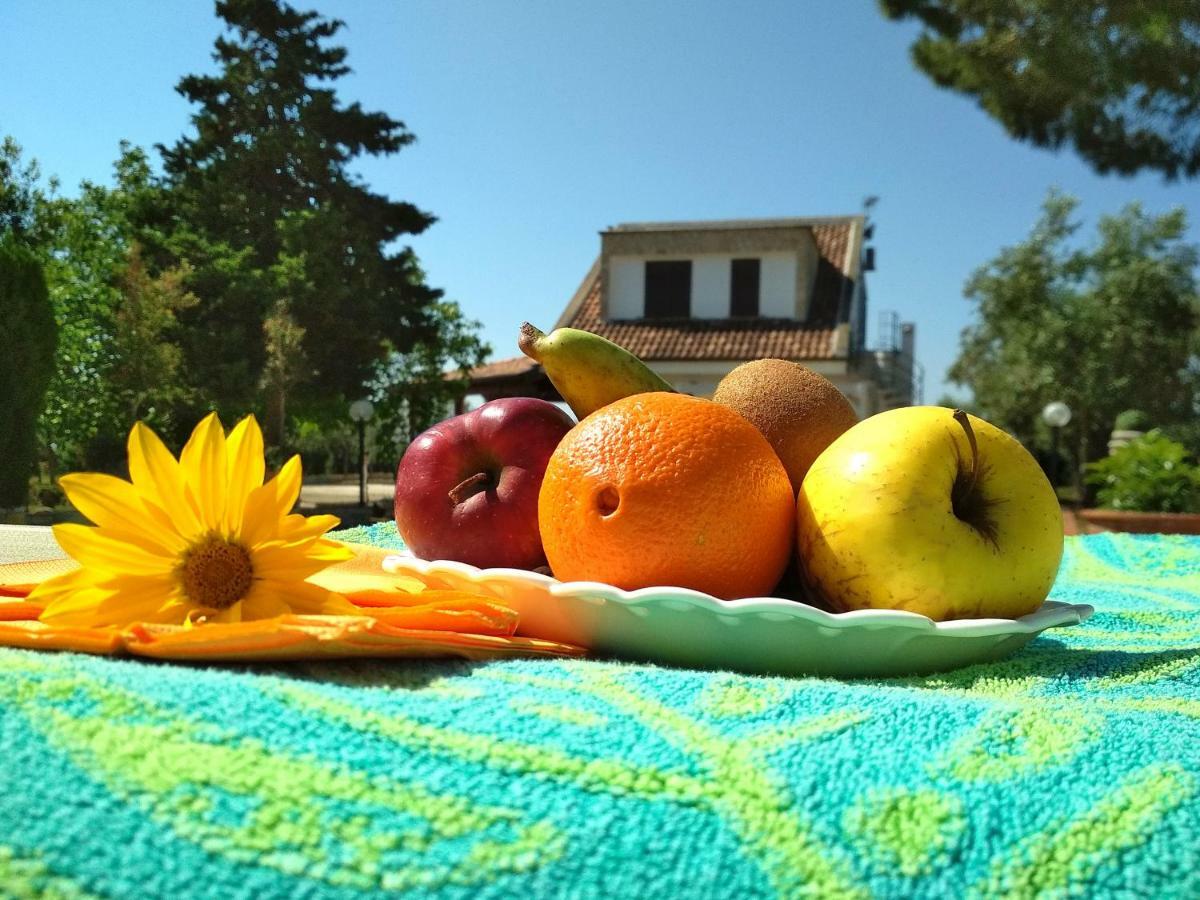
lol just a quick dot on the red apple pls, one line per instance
(467, 489)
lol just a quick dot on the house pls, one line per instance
(695, 299)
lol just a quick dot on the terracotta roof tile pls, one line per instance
(502, 368)
(739, 338)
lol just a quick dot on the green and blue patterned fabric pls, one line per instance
(1071, 768)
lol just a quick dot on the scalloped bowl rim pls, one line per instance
(1050, 614)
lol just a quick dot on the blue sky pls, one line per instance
(541, 123)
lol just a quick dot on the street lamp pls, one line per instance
(1056, 414)
(361, 412)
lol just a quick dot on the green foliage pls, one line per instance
(950, 401)
(116, 320)
(258, 273)
(1132, 420)
(411, 390)
(303, 285)
(1186, 433)
(50, 495)
(28, 336)
(285, 365)
(1149, 474)
(1118, 81)
(324, 446)
(147, 375)
(21, 196)
(1103, 328)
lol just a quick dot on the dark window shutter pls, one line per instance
(668, 289)
(743, 287)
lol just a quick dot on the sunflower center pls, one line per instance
(216, 573)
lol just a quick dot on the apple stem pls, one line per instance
(466, 488)
(962, 419)
(527, 340)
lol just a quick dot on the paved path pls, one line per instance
(24, 542)
(345, 494)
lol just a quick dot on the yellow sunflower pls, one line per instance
(201, 538)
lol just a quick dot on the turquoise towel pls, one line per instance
(1072, 768)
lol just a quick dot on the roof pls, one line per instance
(731, 224)
(502, 368)
(726, 339)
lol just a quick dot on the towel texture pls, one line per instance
(1072, 767)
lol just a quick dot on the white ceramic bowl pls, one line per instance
(762, 635)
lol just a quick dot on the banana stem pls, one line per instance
(466, 488)
(527, 340)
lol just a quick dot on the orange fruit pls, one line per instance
(666, 489)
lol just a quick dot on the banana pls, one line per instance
(588, 370)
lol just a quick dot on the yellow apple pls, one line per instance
(933, 511)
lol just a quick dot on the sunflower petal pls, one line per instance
(76, 608)
(280, 562)
(264, 602)
(132, 600)
(267, 505)
(233, 614)
(205, 468)
(60, 585)
(305, 598)
(116, 506)
(246, 470)
(298, 528)
(101, 554)
(287, 485)
(157, 476)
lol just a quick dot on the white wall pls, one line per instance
(701, 377)
(627, 289)
(777, 287)
(711, 277)
(710, 287)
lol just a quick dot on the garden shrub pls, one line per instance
(326, 447)
(1132, 420)
(29, 337)
(1149, 474)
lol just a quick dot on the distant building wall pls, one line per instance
(777, 291)
(788, 256)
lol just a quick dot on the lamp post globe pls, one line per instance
(1056, 414)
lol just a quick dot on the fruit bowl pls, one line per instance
(760, 636)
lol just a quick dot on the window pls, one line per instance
(743, 287)
(668, 289)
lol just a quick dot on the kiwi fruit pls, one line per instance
(799, 412)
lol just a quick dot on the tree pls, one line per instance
(86, 243)
(293, 255)
(146, 377)
(285, 363)
(28, 336)
(1119, 81)
(116, 358)
(1103, 328)
(74, 240)
(21, 195)
(412, 390)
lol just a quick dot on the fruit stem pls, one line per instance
(962, 419)
(527, 340)
(466, 488)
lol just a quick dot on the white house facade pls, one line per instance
(696, 299)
